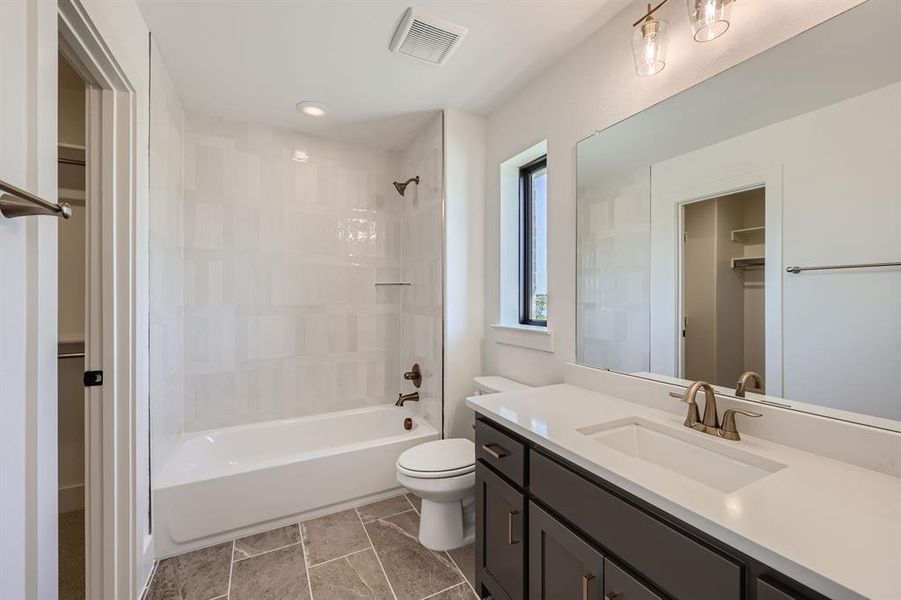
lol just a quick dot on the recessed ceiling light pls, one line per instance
(300, 155)
(311, 109)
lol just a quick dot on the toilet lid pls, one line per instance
(441, 458)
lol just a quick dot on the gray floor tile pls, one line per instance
(198, 575)
(416, 501)
(384, 508)
(465, 558)
(414, 572)
(277, 575)
(333, 536)
(460, 592)
(355, 576)
(252, 545)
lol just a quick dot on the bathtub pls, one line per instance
(223, 483)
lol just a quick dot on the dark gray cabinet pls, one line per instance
(547, 530)
(561, 565)
(619, 585)
(500, 535)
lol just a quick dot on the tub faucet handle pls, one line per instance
(414, 375)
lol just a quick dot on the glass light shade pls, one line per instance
(649, 46)
(709, 18)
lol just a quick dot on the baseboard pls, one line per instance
(71, 497)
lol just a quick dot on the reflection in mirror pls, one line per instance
(694, 214)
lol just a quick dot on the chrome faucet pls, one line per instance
(710, 423)
(401, 398)
(742, 385)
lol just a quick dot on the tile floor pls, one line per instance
(371, 552)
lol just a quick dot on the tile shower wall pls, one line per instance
(423, 244)
(613, 264)
(282, 317)
(166, 176)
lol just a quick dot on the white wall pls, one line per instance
(591, 88)
(422, 240)
(282, 317)
(28, 305)
(464, 288)
(167, 134)
(840, 329)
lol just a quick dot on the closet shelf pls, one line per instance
(749, 235)
(748, 262)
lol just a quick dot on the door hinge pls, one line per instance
(93, 378)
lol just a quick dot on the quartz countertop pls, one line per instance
(831, 526)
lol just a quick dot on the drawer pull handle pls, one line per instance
(494, 450)
(510, 538)
(610, 595)
(586, 583)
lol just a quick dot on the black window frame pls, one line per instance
(525, 240)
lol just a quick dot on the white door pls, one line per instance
(28, 298)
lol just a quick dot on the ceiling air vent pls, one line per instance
(427, 38)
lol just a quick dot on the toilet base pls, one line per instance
(447, 525)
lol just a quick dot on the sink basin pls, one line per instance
(688, 453)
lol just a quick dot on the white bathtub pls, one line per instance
(222, 483)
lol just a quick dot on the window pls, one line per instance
(533, 242)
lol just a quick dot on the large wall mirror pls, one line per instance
(753, 223)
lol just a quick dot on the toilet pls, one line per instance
(442, 474)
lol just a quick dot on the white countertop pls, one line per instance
(829, 525)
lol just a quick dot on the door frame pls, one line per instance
(670, 191)
(111, 436)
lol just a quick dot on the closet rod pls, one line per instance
(71, 161)
(71, 355)
(19, 203)
(797, 270)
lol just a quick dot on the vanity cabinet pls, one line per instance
(561, 564)
(547, 530)
(500, 538)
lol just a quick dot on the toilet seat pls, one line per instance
(438, 459)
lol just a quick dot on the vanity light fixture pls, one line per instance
(709, 18)
(311, 109)
(649, 43)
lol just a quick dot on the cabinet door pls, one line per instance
(622, 586)
(500, 537)
(561, 565)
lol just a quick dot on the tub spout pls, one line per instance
(401, 398)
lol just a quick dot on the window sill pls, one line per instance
(532, 337)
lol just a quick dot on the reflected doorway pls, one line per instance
(723, 287)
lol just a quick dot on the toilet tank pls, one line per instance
(492, 384)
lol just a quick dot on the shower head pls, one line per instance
(402, 187)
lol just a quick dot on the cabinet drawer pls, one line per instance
(620, 585)
(561, 564)
(501, 534)
(501, 451)
(770, 591)
(675, 563)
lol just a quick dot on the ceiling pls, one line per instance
(253, 61)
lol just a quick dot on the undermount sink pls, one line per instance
(687, 453)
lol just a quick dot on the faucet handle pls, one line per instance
(729, 431)
(694, 415)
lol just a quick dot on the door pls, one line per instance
(28, 330)
(500, 535)
(561, 565)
